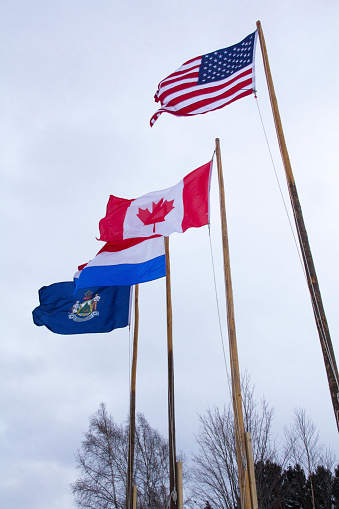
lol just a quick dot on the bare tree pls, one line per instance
(151, 469)
(303, 446)
(258, 418)
(102, 462)
(215, 467)
(215, 471)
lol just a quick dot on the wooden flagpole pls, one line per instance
(131, 445)
(171, 414)
(318, 309)
(251, 472)
(245, 498)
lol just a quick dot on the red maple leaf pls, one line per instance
(158, 214)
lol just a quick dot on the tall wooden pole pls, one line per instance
(312, 280)
(180, 486)
(171, 414)
(251, 472)
(130, 465)
(235, 374)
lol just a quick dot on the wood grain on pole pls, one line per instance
(130, 465)
(171, 410)
(235, 373)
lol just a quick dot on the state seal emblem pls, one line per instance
(86, 310)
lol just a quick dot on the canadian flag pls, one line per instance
(175, 209)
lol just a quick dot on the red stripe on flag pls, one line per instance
(195, 197)
(178, 88)
(120, 245)
(212, 88)
(184, 112)
(181, 71)
(112, 225)
(219, 97)
(179, 76)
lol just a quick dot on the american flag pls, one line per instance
(209, 82)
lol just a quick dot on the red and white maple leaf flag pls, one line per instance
(175, 209)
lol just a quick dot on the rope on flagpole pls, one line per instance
(301, 254)
(236, 428)
(279, 186)
(218, 311)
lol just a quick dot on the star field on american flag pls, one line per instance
(220, 64)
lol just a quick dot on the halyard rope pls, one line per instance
(302, 256)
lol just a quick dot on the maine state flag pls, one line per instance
(91, 310)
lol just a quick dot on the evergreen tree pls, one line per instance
(322, 481)
(268, 477)
(294, 487)
(335, 488)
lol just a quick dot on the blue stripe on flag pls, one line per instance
(123, 274)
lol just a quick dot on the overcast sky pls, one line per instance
(77, 84)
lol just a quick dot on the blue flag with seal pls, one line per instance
(91, 310)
